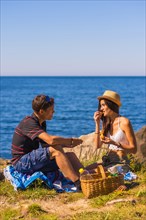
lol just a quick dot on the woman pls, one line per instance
(117, 131)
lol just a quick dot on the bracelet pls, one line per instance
(97, 132)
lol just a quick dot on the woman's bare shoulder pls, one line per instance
(124, 121)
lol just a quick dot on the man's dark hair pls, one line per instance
(42, 102)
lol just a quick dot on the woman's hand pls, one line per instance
(97, 116)
(107, 140)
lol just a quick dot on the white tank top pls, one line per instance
(119, 136)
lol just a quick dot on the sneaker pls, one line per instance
(78, 185)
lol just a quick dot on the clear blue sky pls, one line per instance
(73, 37)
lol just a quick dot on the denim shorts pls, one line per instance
(36, 160)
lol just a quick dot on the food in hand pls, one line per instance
(102, 135)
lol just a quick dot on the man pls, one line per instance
(33, 149)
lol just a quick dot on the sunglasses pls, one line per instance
(47, 99)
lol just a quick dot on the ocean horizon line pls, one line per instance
(72, 76)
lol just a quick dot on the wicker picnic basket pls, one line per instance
(100, 183)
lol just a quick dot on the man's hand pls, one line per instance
(76, 141)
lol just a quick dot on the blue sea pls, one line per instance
(75, 103)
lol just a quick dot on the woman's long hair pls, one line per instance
(106, 121)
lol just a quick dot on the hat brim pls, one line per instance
(109, 98)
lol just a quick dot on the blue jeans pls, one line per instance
(36, 160)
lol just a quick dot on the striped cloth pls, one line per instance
(54, 180)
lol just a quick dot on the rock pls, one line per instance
(86, 150)
(3, 163)
(141, 144)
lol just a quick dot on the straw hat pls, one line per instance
(112, 96)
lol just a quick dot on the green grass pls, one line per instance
(8, 214)
(35, 209)
(29, 204)
(38, 192)
(128, 213)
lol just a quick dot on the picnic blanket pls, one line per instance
(54, 180)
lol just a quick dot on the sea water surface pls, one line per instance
(75, 103)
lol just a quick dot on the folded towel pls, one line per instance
(54, 180)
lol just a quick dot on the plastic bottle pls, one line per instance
(84, 172)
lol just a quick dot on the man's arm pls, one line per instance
(57, 140)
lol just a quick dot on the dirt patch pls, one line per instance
(57, 206)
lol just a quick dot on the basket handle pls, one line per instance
(102, 171)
